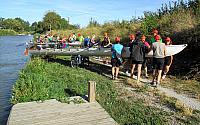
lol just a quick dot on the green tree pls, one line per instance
(51, 20)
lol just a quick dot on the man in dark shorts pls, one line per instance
(168, 59)
(137, 50)
(158, 59)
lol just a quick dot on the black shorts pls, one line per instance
(136, 62)
(115, 62)
(167, 60)
(158, 63)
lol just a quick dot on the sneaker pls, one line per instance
(163, 77)
(113, 77)
(154, 85)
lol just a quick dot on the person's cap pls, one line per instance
(155, 31)
(117, 39)
(167, 39)
(79, 34)
(131, 36)
(143, 37)
(157, 37)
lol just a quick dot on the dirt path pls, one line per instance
(189, 102)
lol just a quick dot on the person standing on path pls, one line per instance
(128, 62)
(168, 59)
(137, 50)
(116, 59)
(159, 52)
(143, 39)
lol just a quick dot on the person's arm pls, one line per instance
(171, 61)
(164, 50)
(109, 43)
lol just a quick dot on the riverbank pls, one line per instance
(7, 32)
(42, 80)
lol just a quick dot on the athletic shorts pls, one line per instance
(136, 62)
(115, 62)
(158, 63)
(167, 60)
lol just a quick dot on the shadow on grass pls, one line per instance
(57, 60)
(93, 67)
(72, 92)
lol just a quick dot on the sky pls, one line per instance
(79, 11)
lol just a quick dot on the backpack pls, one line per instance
(119, 57)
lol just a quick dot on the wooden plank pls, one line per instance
(58, 108)
(54, 112)
(61, 112)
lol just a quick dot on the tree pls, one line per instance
(63, 24)
(93, 23)
(51, 20)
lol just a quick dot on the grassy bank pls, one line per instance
(41, 80)
(7, 32)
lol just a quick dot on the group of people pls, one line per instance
(138, 49)
(84, 41)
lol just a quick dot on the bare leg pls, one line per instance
(159, 76)
(139, 72)
(132, 70)
(113, 72)
(145, 69)
(166, 70)
(117, 71)
(154, 75)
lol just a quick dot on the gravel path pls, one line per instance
(189, 102)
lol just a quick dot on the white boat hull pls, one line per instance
(171, 50)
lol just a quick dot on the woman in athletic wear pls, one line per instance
(137, 50)
(106, 41)
(168, 59)
(115, 59)
(143, 39)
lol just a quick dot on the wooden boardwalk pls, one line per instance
(52, 112)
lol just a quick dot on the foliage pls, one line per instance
(41, 80)
(16, 24)
(6, 32)
(51, 20)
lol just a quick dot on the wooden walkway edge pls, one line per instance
(52, 112)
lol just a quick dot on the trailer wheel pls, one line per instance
(73, 62)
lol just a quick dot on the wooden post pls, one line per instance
(91, 91)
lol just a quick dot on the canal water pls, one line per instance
(12, 61)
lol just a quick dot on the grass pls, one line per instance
(53, 79)
(183, 113)
(41, 80)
